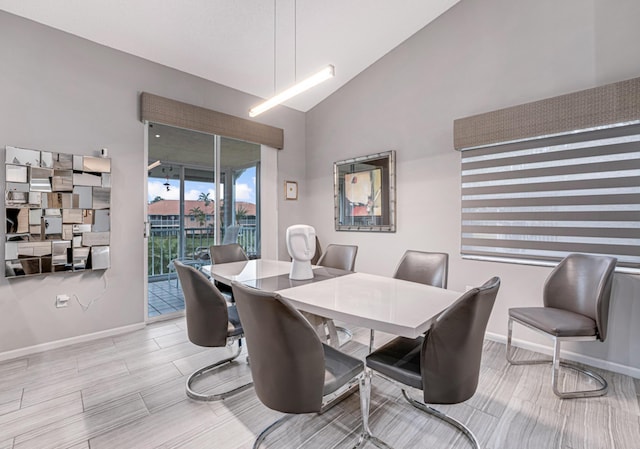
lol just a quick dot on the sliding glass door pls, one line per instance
(240, 205)
(202, 190)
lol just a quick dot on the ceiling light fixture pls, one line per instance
(313, 80)
(153, 165)
(323, 75)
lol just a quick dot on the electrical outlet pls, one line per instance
(62, 301)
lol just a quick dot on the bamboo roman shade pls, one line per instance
(541, 198)
(163, 110)
(601, 106)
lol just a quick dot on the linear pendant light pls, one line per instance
(313, 80)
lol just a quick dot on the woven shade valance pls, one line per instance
(163, 110)
(601, 106)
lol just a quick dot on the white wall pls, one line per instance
(62, 93)
(479, 56)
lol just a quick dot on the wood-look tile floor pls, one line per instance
(128, 392)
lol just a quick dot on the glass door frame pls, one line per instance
(217, 222)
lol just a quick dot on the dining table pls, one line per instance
(370, 301)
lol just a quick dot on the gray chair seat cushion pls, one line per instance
(399, 360)
(339, 368)
(556, 322)
(234, 327)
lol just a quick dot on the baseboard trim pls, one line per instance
(568, 355)
(29, 350)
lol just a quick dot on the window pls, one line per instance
(536, 201)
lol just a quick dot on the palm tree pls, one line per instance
(205, 197)
(199, 215)
(241, 213)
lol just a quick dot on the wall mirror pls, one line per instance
(57, 212)
(365, 193)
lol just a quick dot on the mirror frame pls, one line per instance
(374, 168)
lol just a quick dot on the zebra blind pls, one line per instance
(541, 199)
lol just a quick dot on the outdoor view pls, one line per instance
(184, 226)
(199, 222)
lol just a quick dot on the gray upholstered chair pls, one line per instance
(231, 252)
(341, 257)
(317, 254)
(576, 308)
(421, 267)
(210, 323)
(445, 363)
(293, 371)
(424, 267)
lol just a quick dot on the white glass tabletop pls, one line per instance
(375, 302)
(247, 270)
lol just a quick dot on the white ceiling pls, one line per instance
(231, 42)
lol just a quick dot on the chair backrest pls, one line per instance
(287, 358)
(205, 308)
(452, 348)
(231, 234)
(317, 254)
(423, 267)
(201, 253)
(581, 283)
(342, 257)
(231, 252)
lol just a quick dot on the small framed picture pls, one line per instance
(291, 190)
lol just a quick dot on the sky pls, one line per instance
(245, 188)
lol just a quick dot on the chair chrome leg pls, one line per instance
(365, 401)
(372, 336)
(365, 389)
(555, 373)
(443, 417)
(214, 397)
(601, 391)
(270, 428)
(510, 351)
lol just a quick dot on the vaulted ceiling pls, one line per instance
(256, 46)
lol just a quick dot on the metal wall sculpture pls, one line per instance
(58, 212)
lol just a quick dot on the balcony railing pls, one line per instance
(164, 245)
